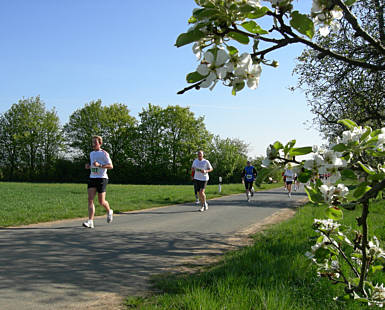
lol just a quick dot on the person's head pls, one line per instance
(289, 166)
(200, 154)
(97, 141)
(248, 163)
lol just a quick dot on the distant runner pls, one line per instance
(289, 174)
(248, 176)
(100, 161)
(201, 168)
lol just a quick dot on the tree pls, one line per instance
(167, 141)
(113, 123)
(183, 136)
(82, 125)
(228, 157)
(337, 90)
(118, 128)
(30, 139)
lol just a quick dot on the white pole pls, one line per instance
(220, 181)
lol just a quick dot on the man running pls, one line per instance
(248, 176)
(289, 174)
(100, 161)
(201, 168)
(195, 188)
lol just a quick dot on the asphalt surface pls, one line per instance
(62, 265)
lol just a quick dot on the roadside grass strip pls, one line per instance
(271, 274)
(29, 203)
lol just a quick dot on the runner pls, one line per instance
(248, 176)
(201, 168)
(195, 188)
(99, 163)
(296, 182)
(289, 174)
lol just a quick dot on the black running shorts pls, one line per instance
(99, 183)
(248, 185)
(200, 184)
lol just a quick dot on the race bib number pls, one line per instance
(249, 176)
(94, 170)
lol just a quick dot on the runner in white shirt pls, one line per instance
(201, 167)
(100, 161)
(289, 174)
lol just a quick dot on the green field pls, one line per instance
(272, 274)
(27, 203)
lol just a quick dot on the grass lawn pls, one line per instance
(272, 274)
(27, 203)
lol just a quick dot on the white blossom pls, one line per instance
(254, 3)
(266, 163)
(213, 67)
(247, 70)
(328, 224)
(379, 294)
(374, 248)
(325, 17)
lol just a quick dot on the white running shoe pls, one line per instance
(202, 209)
(289, 194)
(89, 224)
(197, 201)
(206, 206)
(110, 216)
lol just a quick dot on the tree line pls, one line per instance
(156, 148)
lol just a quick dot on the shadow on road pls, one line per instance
(93, 260)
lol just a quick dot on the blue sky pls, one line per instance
(71, 52)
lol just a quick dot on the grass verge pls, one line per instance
(28, 203)
(271, 274)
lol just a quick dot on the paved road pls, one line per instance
(65, 266)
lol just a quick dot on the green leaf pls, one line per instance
(366, 133)
(192, 20)
(241, 38)
(258, 12)
(313, 195)
(304, 176)
(278, 145)
(301, 150)
(238, 87)
(379, 176)
(189, 37)
(194, 77)
(376, 268)
(347, 123)
(376, 132)
(361, 189)
(205, 13)
(232, 50)
(289, 145)
(302, 23)
(253, 27)
(340, 147)
(367, 169)
(348, 174)
(334, 213)
(349, 2)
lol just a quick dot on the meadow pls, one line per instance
(27, 203)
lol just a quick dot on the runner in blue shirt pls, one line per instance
(248, 176)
